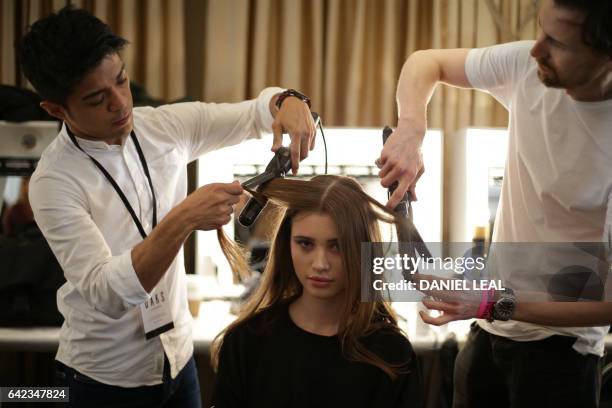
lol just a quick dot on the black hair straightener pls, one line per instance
(277, 167)
(409, 240)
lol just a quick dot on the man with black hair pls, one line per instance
(557, 188)
(109, 195)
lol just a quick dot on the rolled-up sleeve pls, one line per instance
(123, 280)
(108, 283)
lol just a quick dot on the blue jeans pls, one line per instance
(181, 392)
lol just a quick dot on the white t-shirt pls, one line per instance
(558, 178)
(92, 234)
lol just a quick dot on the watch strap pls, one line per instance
(291, 92)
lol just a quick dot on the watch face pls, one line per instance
(504, 308)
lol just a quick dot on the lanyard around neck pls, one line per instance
(126, 203)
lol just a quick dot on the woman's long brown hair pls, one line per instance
(357, 217)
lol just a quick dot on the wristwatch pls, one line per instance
(503, 309)
(291, 92)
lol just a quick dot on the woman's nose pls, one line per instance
(321, 262)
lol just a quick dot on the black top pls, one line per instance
(270, 362)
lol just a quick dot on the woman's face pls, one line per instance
(316, 255)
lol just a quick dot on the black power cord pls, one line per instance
(324, 142)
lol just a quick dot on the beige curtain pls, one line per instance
(155, 57)
(346, 54)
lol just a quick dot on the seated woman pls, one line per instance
(305, 338)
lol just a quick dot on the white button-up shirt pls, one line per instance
(92, 234)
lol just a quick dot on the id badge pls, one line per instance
(156, 314)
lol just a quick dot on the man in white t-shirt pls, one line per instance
(110, 196)
(557, 189)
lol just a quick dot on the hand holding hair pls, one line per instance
(211, 206)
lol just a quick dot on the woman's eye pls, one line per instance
(305, 244)
(335, 247)
(98, 102)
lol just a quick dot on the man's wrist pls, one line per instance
(181, 216)
(291, 93)
(413, 126)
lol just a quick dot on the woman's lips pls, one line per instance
(319, 282)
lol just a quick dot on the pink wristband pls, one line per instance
(485, 310)
(484, 302)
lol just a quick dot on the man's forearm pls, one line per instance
(420, 75)
(153, 256)
(418, 79)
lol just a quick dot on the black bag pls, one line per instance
(29, 279)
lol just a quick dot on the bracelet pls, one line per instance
(483, 304)
(485, 309)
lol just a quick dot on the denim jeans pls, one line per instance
(180, 392)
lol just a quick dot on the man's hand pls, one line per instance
(401, 160)
(294, 117)
(454, 304)
(211, 206)
(451, 311)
